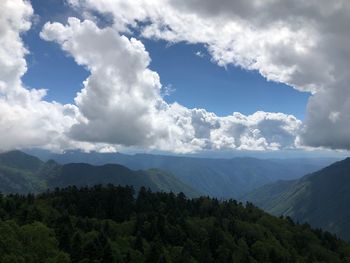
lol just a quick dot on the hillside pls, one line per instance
(23, 173)
(80, 174)
(111, 224)
(321, 198)
(20, 160)
(222, 178)
(18, 173)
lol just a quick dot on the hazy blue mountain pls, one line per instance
(23, 173)
(223, 178)
(82, 174)
(267, 195)
(321, 198)
(20, 160)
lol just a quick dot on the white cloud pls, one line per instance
(248, 34)
(304, 44)
(26, 120)
(121, 98)
(14, 19)
(121, 103)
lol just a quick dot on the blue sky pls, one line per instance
(196, 81)
(48, 66)
(200, 83)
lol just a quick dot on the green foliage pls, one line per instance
(31, 243)
(111, 224)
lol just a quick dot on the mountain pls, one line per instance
(82, 174)
(17, 173)
(321, 198)
(20, 160)
(23, 173)
(113, 224)
(222, 178)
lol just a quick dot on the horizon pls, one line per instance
(202, 155)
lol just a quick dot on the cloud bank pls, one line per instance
(121, 102)
(302, 44)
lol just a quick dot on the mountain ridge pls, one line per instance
(320, 198)
(222, 178)
(41, 176)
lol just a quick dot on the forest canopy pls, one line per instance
(115, 224)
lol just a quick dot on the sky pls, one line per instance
(179, 77)
(186, 69)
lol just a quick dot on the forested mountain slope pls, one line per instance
(111, 224)
(321, 198)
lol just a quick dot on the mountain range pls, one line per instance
(23, 173)
(221, 178)
(321, 198)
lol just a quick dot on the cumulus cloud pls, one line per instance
(328, 120)
(26, 120)
(121, 97)
(122, 104)
(14, 19)
(300, 43)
